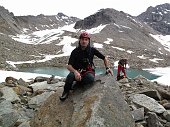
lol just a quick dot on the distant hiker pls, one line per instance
(121, 67)
(81, 64)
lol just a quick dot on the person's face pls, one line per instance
(84, 42)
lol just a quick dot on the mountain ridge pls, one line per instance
(129, 38)
(32, 23)
(157, 17)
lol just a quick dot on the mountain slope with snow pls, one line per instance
(158, 18)
(121, 36)
(10, 24)
(43, 22)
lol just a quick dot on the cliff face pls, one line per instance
(8, 24)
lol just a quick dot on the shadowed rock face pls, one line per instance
(103, 16)
(8, 24)
(101, 104)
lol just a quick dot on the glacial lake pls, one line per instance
(63, 72)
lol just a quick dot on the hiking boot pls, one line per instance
(120, 77)
(64, 96)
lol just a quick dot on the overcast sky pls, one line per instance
(77, 8)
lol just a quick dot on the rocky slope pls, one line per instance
(135, 102)
(126, 32)
(11, 24)
(42, 22)
(8, 24)
(157, 17)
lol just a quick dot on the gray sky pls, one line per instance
(77, 8)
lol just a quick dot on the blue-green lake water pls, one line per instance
(63, 72)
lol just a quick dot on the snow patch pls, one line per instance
(108, 41)
(164, 74)
(142, 57)
(96, 29)
(121, 49)
(97, 45)
(129, 51)
(155, 60)
(25, 76)
(164, 40)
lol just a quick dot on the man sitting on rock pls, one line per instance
(121, 67)
(81, 64)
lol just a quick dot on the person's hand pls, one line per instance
(77, 75)
(109, 71)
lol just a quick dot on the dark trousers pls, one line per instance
(88, 78)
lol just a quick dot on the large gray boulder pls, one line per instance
(9, 94)
(39, 99)
(8, 116)
(148, 103)
(44, 86)
(98, 105)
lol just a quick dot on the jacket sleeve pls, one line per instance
(98, 54)
(72, 58)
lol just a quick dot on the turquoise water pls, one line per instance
(63, 72)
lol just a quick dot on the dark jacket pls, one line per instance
(122, 62)
(79, 58)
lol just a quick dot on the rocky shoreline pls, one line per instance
(138, 102)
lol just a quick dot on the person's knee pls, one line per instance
(70, 77)
(89, 78)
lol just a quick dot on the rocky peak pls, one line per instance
(157, 17)
(61, 15)
(11, 24)
(8, 24)
(42, 22)
(103, 16)
(4, 11)
(66, 18)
